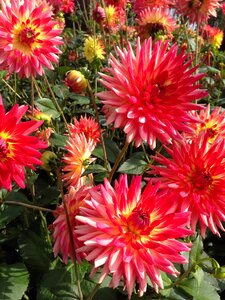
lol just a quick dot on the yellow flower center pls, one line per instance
(25, 37)
(6, 147)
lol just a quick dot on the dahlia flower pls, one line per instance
(115, 18)
(74, 199)
(139, 5)
(18, 149)
(197, 10)
(150, 92)
(133, 235)
(88, 127)
(195, 173)
(152, 21)
(93, 49)
(29, 37)
(77, 159)
(213, 35)
(211, 124)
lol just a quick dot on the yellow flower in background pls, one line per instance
(93, 49)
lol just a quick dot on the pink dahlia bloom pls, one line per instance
(195, 173)
(150, 92)
(29, 37)
(139, 5)
(197, 10)
(132, 235)
(18, 148)
(211, 124)
(74, 199)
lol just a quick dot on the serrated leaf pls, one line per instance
(34, 251)
(46, 105)
(61, 91)
(57, 285)
(14, 280)
(199, 287)
(196, 250)
(135, 165)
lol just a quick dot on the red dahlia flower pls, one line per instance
(197, 10)
(133, 235)
(28, 37)
(150, 92)
(195, 173)
(17, 148)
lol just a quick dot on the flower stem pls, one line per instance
(70, 235)
(29, 206)
(56, 104)
(119, 157)
(92, 97)
(90, 297)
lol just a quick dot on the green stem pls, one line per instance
(90, 297)
(70, 235)
(92, 97)
(32, 95)
(56, 104)
(119, 158)
(29, 206)
(6, 83)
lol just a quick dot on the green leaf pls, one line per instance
(57, 285)
(10, 212)
(196, 251)
(14, 280)
(46, 105)
(112, 150)
(105, 293)
(94, 169)
(136, 164)
(199, 286)
(35, 252)
(61, 91)
(78, 99)
(58, 140)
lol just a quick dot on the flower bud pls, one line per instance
(48, 160)
(76, 81)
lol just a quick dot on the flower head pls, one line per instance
(74, 199)
(140, 5)
(76, 81)
(88, 126)
(213, 35)
(18, 149)
(152, 21)
(195, 173)
(197, 10)
(150, 92)
(93, 49)
(211, 124)
(77, 159)
(115, 18)
(28, 36)
(132, 234)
